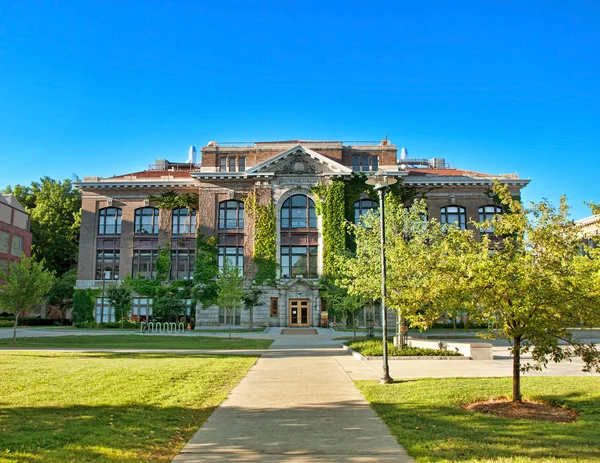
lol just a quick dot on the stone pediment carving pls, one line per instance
(299, 160)
(298, 284)
(298, 165)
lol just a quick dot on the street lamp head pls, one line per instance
(380, 180)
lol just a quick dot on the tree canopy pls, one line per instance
(532, 280)
(55, 209)
(26, 284)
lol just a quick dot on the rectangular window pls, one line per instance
(5, 213)
(107, 265)
(4, 239)
(299, 261)
(141, 308)
(235, 256)
(232, 164)
(20, 220)
(182, 264)
(222, 163)
(274, 307)
(104, 313)
(16, 247)
(356, 163)
(375, 163)
(227, 317)
(144, 264)
(242, 164)
(365, 162)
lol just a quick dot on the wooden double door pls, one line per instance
(299, 312)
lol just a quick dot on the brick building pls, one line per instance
(15, 236)
(121, 230)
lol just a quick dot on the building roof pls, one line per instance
(12, 201)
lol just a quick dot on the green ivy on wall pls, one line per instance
(330, 205)
(265, 239)
(163, 262)
(142, 287)
(172, 200)
(84, 301)
(206, 269)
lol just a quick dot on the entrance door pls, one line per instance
(299, 312)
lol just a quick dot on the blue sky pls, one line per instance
(105, 87)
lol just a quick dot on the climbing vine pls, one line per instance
(330, 205)
(163, 263)
(206, 269)
(265, 239)
(172, 200)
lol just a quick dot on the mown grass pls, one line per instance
(84, 407)
(374, 347)
(427, 418)
(133, 341)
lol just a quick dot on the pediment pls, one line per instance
(299, 160)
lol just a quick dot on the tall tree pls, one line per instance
(26, 284)
(60, 297)
(55, 209)
(230, 290)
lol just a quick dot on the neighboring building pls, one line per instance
(121, 229)
(590, 229)
(15, 236)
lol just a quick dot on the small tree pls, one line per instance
(230, 291)
(167, 307)
(340, 301)
(251, 298)
(27, 282)
(61, 294)
(119, 298)
(537, 284)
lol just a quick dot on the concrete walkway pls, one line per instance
(297, 404)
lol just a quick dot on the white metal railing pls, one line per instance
(164, 327)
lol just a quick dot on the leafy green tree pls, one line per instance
(341, 302)
(167, 307)
(62, 292)
(119, 298)
(251, 298)
(230, 290)
(537, 284)
(55, 209)
(26, 284)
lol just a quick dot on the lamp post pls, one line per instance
(381, 184)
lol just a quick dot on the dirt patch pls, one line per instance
(524, 410)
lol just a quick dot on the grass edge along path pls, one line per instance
(103, 407)
(132, 341)
(429, 421)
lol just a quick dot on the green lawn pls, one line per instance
(427, 418)
(84, 407)
(133, 341)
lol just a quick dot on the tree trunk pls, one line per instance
(516, 369)
(251, 321)
(15, 330)
(230, 322)
(454, 322)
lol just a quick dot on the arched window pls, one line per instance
(231, 215)
(146, 221)
(488, 213)
(362, 206)
(454, 215)
(110, 221)
(298, 211)
(184, 221)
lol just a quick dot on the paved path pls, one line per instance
(295, 405)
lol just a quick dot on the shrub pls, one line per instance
(374, 347)
(7, 323)
(126, 324)
(35, 321)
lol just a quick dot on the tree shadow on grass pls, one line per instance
(440, 430)
(97, 433)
